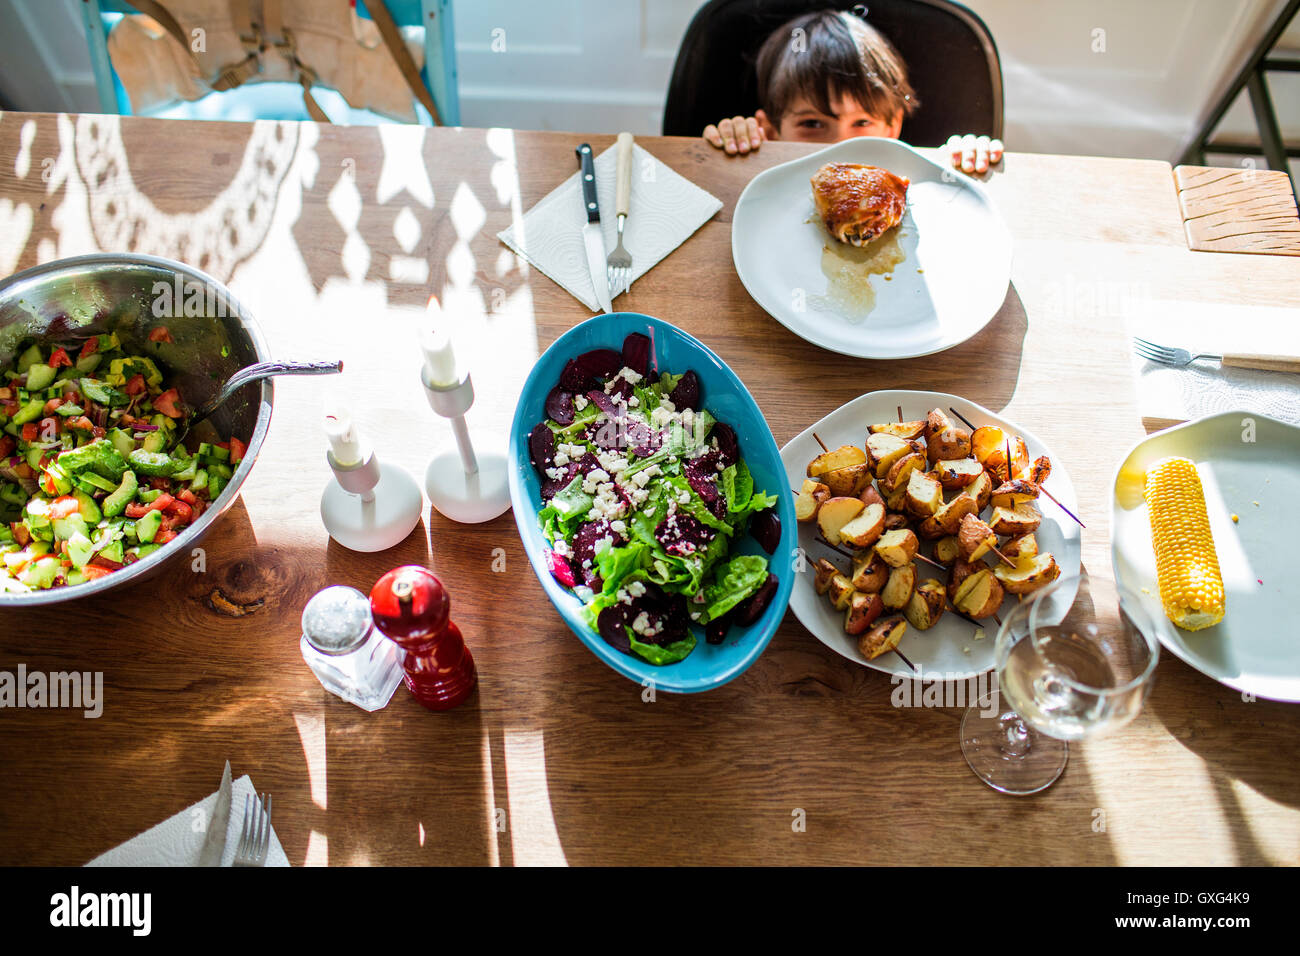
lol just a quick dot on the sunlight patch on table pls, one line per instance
(1141, 831)
(311, 730)
(533, 838)
(490, 800)
(318, 849)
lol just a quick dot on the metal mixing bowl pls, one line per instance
(73, 299)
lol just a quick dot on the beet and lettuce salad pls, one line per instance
(89, 479)
(645, 496)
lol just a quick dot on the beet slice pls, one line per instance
(553, 486)
(559, 406)
(751, 609)
(728, 447)
(621, 388)
(687, 393)
(683, 534)
(716, 630)
(636, 353)
(560, 569)
(541, 448)
(642, 439)
(600, 363)
(604, 402)
(612, 625)
(573, 378)
(765, 526)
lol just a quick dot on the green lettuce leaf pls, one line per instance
(736, 580)
(668, 654)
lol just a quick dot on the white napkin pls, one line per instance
(1204, 387)
(665, 210)
(175, 842)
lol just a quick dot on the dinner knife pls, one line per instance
(215, 843)
(592, 236)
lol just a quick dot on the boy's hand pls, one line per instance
(972, 154)
(736, 135)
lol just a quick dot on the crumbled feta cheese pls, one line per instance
(642, 623)
(618, 527)
(688, 419)
(660, 417)
(641, 478)
(638, 496)
(636, 589)
(721, 467)
(695, 615)
(603, 544)
(561, 458)
(633, 402)
(561, 547)
(554, 473)
(684, 498)
(579, 402)
(631, 376)
(593, 480)
(667, 405)
(584, 593)
(623, 596)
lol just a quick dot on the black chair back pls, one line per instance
(951, 59)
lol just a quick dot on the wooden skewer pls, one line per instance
(834, 547)
(1005, 559)
(1062, 507)
(1040, 487)
(962, 417)
(820, 442)
(934, 564)
(900, 414)
(894, 650)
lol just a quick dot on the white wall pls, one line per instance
(603, 65)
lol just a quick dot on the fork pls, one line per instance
(619, 262)
(1178, 358)
(255, 840)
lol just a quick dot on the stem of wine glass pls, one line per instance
(1017, 737)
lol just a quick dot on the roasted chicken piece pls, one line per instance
(858, 203)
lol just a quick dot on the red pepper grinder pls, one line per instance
(410, 606)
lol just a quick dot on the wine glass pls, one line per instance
(1073, 660)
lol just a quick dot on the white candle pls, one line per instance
(342, 433)
(439, 356)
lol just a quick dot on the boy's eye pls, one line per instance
(810, 124)
(865, 122)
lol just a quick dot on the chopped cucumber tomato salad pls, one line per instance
(89, 480)
(645, 495)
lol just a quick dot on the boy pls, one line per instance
(829, 76)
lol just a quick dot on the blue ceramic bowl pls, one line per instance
(726, 397)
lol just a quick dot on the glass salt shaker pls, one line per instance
(345, 650)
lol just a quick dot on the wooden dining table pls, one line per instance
(334, 238)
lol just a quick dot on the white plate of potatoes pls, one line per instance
(908, 475)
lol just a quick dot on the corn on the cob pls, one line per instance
(1187, 567)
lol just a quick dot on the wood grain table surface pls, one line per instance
(1238, 210)
(334, 238)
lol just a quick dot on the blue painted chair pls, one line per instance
(283, 100)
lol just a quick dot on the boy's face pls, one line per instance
(804, 122)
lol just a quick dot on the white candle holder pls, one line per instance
(370, 506)
(467, 486)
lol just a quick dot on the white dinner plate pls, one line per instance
(951, 282)
(948, 650)
(1249, 466)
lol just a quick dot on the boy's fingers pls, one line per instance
(728, 136)
(954, 148)
(741, 132)
(751, 126)
(995, 151)
(712, 135)
(982, 155)
(968, 153)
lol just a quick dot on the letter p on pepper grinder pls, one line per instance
(410, 606)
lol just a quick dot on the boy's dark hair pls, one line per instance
(827, 55)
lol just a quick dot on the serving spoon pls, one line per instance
(254, 373)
